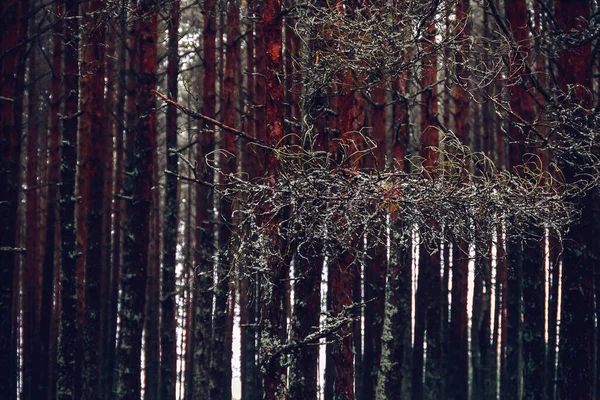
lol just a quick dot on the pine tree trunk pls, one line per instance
(168, 364)
(203, 294)
(248, 367)
(119, 208)
(273, 289)
(397, 369)
(577, 357)
(48, 315)
(152, 382)
(376, 264)
(141, 139)
(68, 283)
(31, 272)
(92, 142)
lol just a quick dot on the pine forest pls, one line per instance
(300, 199)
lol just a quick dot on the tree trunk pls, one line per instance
(458, 345)
(142, 140)
(92, 142)
(31, 272)
(221, 363)
(152, 382)
(48, 315)
(376, 264)
(168, 364)
(271, 311)
(10, 141)
(68, 318)
(119, 208)
(248, 367)
(577, 357)
(203, 294)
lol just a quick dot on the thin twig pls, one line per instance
(196, 115)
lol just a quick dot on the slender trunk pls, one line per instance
(108, 208)
(429, 263)
(31, 271)
(526, 342)
(119, 208)
(203, 294)
(341, 274)
(68, 319)
(307, 308)
(10, 141)
(376, 266)
(48, 309)
(168, 364)
(247, 301)
(92, 142)
(152, 382)
(458, 347)
(220, 366)
(142, 141)
(273, 284)
(399, 303)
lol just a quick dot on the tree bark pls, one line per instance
(272, 333)
(168, 364)
(92, 142)
(577, 356)
(68, 318)
(203, 294)
(140, 160)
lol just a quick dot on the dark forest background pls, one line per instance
(336, 199)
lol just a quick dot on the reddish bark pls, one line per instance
(428, 307)
(272, 311)
(458, 347)
(341, 276)
(92, 137)
(376, 265)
